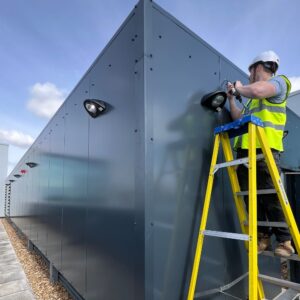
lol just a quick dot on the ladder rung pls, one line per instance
(259, 192)
(226, 235)
(270, 224)
(289, 294)
(235, 162)
(280, 282)
(294, 257)
(291, 173)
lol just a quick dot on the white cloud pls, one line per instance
(45, 99)
(16, 138)
(295, 81)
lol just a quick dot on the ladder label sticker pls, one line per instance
(283, 192)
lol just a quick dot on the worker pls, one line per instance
(267, 94)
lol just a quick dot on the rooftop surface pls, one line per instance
(13, 282)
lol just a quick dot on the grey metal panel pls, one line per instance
(290, 158)
(34, 196)
(75, 188)
(42, 218)
(56, 188)
(12, 200)
(293, 102)
(29, 199)
(24, 200)
(111, 221)
(183, 70)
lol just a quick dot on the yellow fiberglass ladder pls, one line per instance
(248, 221)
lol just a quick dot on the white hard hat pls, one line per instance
(266, 56)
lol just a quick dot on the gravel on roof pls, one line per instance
(35, 269)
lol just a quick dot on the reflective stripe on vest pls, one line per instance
(274, 119)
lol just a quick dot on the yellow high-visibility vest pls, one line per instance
(272, 115)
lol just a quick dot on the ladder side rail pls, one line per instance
(287, 211)
(239, 202)
(253, 260)
(204, 217)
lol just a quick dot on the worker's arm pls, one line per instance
(258, 90)
(235, 111)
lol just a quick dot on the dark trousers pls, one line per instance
(268, 206)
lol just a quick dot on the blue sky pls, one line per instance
(46, 47)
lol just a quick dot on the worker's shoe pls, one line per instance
(284, 249)
(263, 242)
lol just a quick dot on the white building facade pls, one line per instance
(3, 174)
